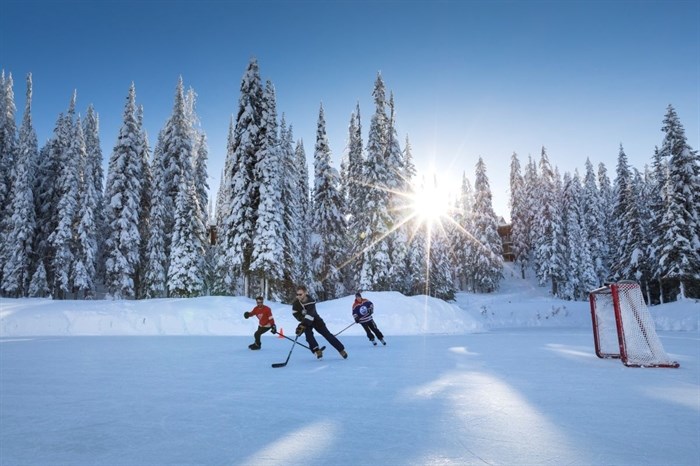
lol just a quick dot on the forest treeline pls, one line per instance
(143, 229)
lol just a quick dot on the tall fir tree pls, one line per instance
(328, 240)
(268, 239)
(157, 260)
(17, 269)
(62, 238)
(489, 261)
(594, 222)
(519, 218)
(543, 229)
(374, 249)
(94, 172)
(122, 201)
(86, 229)
(239, 226)
(677, 252)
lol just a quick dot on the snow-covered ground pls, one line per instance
(508, 378)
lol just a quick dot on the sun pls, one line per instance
(430, 203)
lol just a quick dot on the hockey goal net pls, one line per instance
(623, 327)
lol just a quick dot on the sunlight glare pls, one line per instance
(431, 202)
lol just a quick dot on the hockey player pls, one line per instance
(362, 310)
(304, 310)
(266, 321)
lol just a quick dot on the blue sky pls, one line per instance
(470, 78)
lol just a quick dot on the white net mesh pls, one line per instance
(640, 343)
(604, 324)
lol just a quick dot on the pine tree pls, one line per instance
(290, 210)
(303, 218)
(607, 200)
(122, 201)
(328, 243)
(156, 260)
(8, 139)
(16, 273)
(594, 222)
(375, 254)
(530, 207)
(8, 149)
(86, 228)
(546, 224)
(488, 266)
(94, 173)
(186, 271)
(624, 203)
(39, 287)
(239, 226)
(678, 251)
(62, 238)
(519, 218)
(397, 185)
(186, 266)
(268, 239)
(144, 154)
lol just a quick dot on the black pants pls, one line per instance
(372, 327)
(320, 326)
(258, 333)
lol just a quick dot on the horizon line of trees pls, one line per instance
(145, 234)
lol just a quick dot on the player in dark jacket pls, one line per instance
(304, 310)
(362, 310)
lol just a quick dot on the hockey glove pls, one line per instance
(300, 329)
(273, 329)
(246, 314)
(357, 319)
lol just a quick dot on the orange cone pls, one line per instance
(280, 334)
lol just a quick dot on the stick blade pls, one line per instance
(279, 364)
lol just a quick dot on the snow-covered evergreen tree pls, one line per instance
(356, 186)
(545, 224)
(144, 156)
(465, 247)
(156, 261)
(62, 238)
(290, 210)
(8, 138)
(304, 218)
(268, 240)
(16, 273)
(329, 227)
(186, 274)
(594, 223)
(122, 201)
(38, 286)
(8, 149)
(607, 200)
(519, 218)
(530, 206)
(488, 265)
(677, 252)
(376, 260)
(86, 228)
(624, 203)
(579, 272)
(95, 174)
(238, 227)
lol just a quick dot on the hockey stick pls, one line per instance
(300, 344)
(344, 329)
(282, 364)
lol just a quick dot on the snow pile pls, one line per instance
(395, 314)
